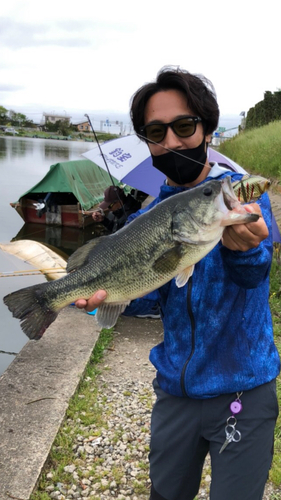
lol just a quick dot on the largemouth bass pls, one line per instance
(161, 244)
(250, 187)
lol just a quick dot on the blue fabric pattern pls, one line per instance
(218, 334)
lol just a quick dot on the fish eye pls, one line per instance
(207, 191)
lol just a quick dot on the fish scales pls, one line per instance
(109, 267)
(124, 258)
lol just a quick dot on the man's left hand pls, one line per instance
(245, 236)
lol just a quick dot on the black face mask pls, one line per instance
(181, 168)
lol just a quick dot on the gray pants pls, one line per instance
(184, 430)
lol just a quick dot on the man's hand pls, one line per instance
(97, 216)
(245, 236)
(93, 302)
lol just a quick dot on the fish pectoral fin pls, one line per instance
(169, 260)
(184, 276)
(108, 314)
(80, 256)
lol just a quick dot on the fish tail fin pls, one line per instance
(31, 307)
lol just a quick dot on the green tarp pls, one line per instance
(86, 180)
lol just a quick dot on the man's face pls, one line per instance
(164, 107)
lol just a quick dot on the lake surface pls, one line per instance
(23, 163)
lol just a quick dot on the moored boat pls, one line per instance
(65, 194)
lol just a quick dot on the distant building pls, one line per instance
(83, 127)
(53, 118)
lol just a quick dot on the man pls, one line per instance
(217, 366)
(118, 206)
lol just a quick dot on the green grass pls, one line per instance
(39, 134)
(275, 304)
(257, 150)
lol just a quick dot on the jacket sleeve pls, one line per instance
(249, 269)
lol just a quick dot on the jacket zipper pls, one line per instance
(192, 321)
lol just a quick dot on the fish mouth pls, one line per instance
(232, 209)
(227, 200)
(229, 197)
(232, 212)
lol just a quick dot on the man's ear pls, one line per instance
(208, 139)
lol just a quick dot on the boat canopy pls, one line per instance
(86, 180)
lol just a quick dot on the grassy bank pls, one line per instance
(275, 304)
(257, 150)
(75, 136)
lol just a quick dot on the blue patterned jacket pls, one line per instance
(218, 335)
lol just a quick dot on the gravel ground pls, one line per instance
(112, 461)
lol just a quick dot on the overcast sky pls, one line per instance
(90, 56)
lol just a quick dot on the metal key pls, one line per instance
(233, 435)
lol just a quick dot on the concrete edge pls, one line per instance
(34, 395)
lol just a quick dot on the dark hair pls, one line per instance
(199, 92)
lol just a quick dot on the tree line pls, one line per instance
(265, 111)
(11, 118)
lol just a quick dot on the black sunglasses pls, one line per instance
(182, 127)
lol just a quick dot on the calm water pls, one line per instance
(23, 162)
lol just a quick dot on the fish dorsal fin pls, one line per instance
(80, 256)
(108, 314)
(169, 260)
(183, 277)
